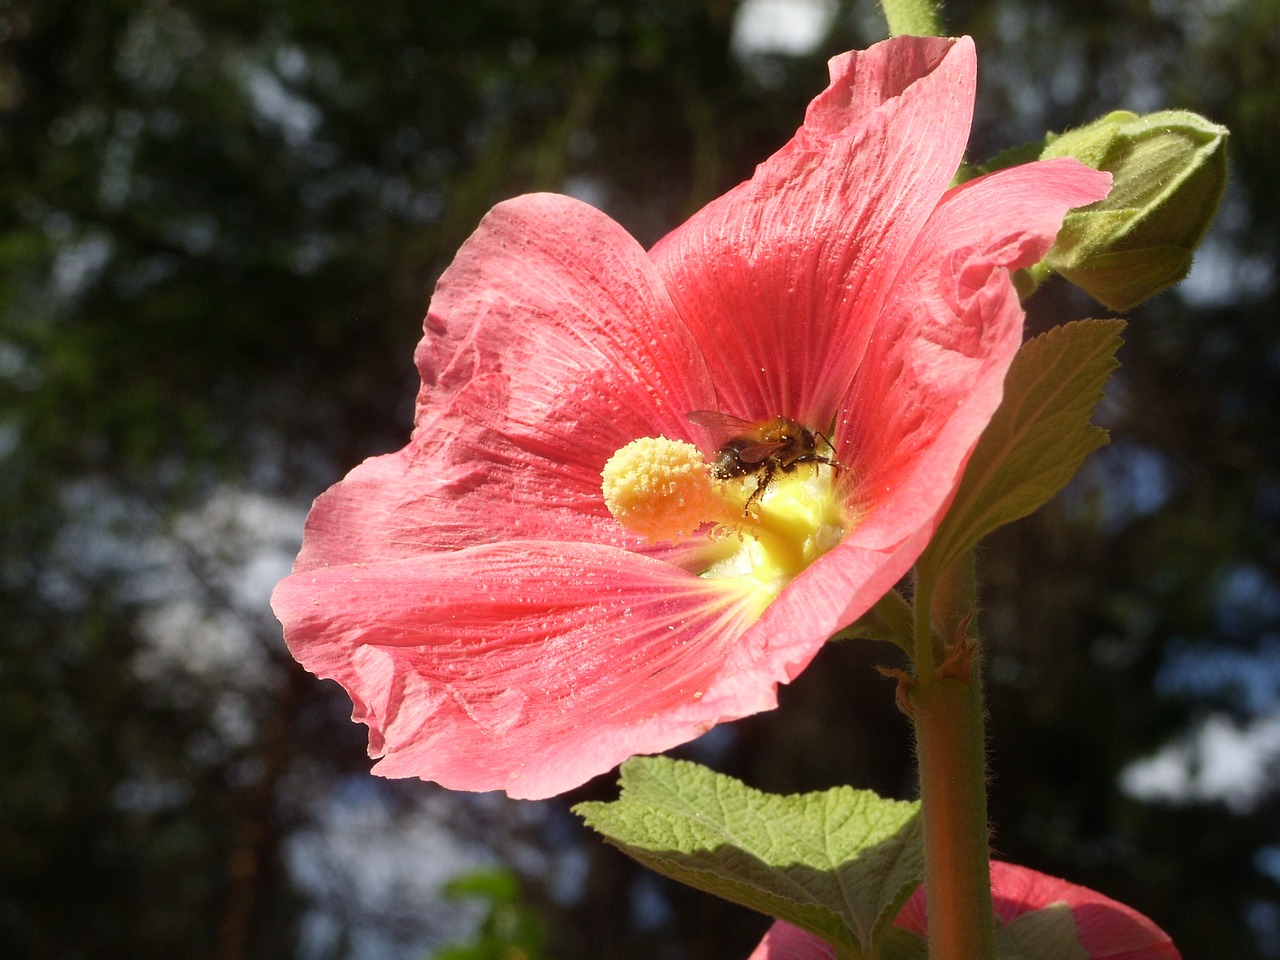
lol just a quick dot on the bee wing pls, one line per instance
(722, 425)
(760, 452)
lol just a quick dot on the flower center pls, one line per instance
(767, 524)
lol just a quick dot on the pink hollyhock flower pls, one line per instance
(1106, 929)
(495, 625)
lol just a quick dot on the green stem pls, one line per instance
(946, 704)
(917, 18)
(924, 657)
(1027, 281)
(954, 599)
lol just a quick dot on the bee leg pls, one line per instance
(762, 481)
(830, 463)
(815, 458)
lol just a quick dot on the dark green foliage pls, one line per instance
(220, 224)
(508, 931)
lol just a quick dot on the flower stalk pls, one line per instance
(916, 18)
(945, 703)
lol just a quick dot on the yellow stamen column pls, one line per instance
(660, 489)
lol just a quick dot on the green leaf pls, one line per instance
(1038, 437)
(889, 620)
(838, 864)
(497, 885)
(508, 929)
(898, 944)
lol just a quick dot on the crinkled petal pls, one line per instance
(928, 388)
(550, 343)
(934, 374)
(1106, 928)
(529, 667)
(782, 279)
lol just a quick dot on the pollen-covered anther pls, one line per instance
(660, 489)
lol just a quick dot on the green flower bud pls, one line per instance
(1169, 170)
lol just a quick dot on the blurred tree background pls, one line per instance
(220, 225)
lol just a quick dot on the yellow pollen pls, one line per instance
(660, 489)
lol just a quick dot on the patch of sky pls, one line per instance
(149, 795)
(195, 232)
(402, 197)
(265, 533)
(1263, 917)
(1070, 77)
(1222, 274)
(1029, 102)
(650, 907)
(18, 372)
(155, 45)
(788, 27)
(1120, 483)
(1246, 680)
(145, 272)
(1247, 600)
(279, 107)
(588, 189)
(1267, 860)
(116, 174)
(1223, 759)
(203, 579)
(372, 874)
(567, 874)
(291, 63)
(713, 747)
(100, 538)
(1194, 16)
(1141, 79)
(374, 864)
(83, 122)
(311, 253)
(1220, 760)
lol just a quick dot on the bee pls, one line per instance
(765, 449)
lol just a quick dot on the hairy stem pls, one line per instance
(918, 18)
(946, 707)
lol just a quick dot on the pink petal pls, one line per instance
(838, 588)
(785, 942)
(781, 279)
(934, 373)
(929, 383)
(528, 667)
(550, 343)
(1106, 929)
